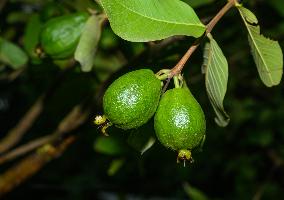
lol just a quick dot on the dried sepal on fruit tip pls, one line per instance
(103, 123)
(184, 155)
(100, 119)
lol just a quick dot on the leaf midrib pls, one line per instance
(159, 20)
(209, 59)
(259, 52)
(221, 115)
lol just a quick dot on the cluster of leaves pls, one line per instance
(161, 21)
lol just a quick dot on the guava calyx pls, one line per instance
(184, 155)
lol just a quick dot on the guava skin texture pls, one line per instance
(179, 121)
(60, 35)
(132, 99)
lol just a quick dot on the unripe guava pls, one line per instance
(180, 122)
(132, 99)
(60, 35)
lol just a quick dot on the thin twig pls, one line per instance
(179, 66)
(13, 154)
(166, 85)
(47, 149)
(209, 27)
(31, 164)
(220, 14)
(72, 121)
(13, 75)
(16, 133)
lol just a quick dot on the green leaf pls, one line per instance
(88, 43)
(215, 67)
(12, 54)
(267, 53)
(149, 20)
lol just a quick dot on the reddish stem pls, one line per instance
(179, 66)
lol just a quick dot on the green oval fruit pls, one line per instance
(180, 122)
(132, 99)
(61, 35)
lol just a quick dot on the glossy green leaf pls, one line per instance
(149, 20)
(12, 55)
(87, 47)
(267, 53)
(215, 67)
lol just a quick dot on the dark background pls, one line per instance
(241, 161)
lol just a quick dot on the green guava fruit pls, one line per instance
(60, 35)
(132, 99)
(180, 122)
